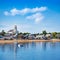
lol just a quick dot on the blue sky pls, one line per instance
(32, 16)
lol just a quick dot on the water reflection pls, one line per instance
(16, 48)
(44, 45)
(33, 44)
(6, 47)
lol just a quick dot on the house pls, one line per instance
(31, 36)
(58, 36)
(39, 36)
(13, 33)
(49, 36)
(10, 32)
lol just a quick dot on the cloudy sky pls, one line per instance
(30, 15)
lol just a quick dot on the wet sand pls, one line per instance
(27, 41)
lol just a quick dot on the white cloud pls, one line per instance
(6, 13)
(37, 17)
(38, 9)
(36, 13)
(24, 11)
(14, 11)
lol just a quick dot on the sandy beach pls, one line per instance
(27, 41)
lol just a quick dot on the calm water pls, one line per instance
(30, 51)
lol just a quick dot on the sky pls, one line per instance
(32, 16)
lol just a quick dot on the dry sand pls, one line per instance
(27, 41)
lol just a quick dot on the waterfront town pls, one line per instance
(15, 34)
(29, 29)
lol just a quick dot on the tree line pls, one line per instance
(44, 32)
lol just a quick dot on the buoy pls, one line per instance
(18, 45)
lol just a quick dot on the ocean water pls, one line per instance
(30, 51)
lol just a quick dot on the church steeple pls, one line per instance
(15, 27)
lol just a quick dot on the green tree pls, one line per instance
(20, 33)
(26, 33)
(44, 32)
(2, 33)
(54, 34)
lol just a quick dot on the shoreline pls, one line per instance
(27, 41)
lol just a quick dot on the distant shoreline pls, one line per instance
(27, 41)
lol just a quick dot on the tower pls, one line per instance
(15, 29)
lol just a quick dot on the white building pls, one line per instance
(12, 32)
(58, 36)
(49, 35)
(39, 36)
